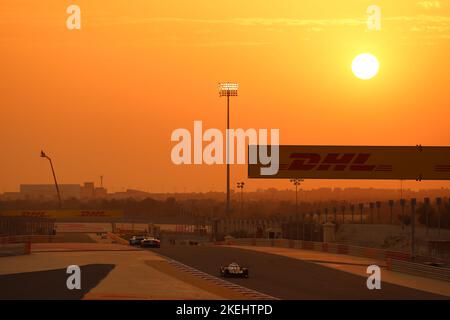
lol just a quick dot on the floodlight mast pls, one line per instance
(296, 182)
(44, 155)
(241, 185)
(228, 89)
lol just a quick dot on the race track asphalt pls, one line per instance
(287, 278)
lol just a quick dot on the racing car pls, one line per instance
(234, 270)
(136, 240)
(150, 243)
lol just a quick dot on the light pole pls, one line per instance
(228, 90)
(361, 209)
(343, 213)
(371, 205)
(296, 182)
(241, 185)
(413, 227)
(426, 205)
(439, 203)
(378, 205)
(402, 204)
(303, 226)
(43, 155)
(391, 205)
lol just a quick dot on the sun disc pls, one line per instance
(365, 66)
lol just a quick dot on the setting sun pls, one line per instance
(365, 66)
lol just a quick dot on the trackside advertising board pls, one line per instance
(54, 214)
(357, 162)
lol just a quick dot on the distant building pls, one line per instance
(130, 193)
(11, 196)
(48, 191)
(100, 192)
(87, 191)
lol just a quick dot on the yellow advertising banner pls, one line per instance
(357, 162)
(54, 214)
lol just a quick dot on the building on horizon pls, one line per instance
(45, 192)
(87, 191)
(48, 191)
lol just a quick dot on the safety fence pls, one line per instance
(27, 239)
(25, 225)
(418, 269)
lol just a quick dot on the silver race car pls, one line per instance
(234, 270)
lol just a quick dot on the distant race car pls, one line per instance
(136, 240)
(150, 243)
(234, 270)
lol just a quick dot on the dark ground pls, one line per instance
(51, 284)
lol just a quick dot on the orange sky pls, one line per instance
(104, 100)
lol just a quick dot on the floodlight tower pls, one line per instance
(228, 89)
(241, 185)
(296, 182)
(43, 155)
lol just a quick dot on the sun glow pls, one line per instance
(365, 66)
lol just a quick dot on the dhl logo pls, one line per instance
(93, 214)
(34, 214)
(332, 162)
(62, 213)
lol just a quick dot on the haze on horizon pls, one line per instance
(104, 100)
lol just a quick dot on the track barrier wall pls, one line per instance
(372, 253)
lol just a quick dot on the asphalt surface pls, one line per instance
(51, 284)
(287, 278)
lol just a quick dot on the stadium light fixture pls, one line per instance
(228, 89)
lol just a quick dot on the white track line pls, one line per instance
(205, 276)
